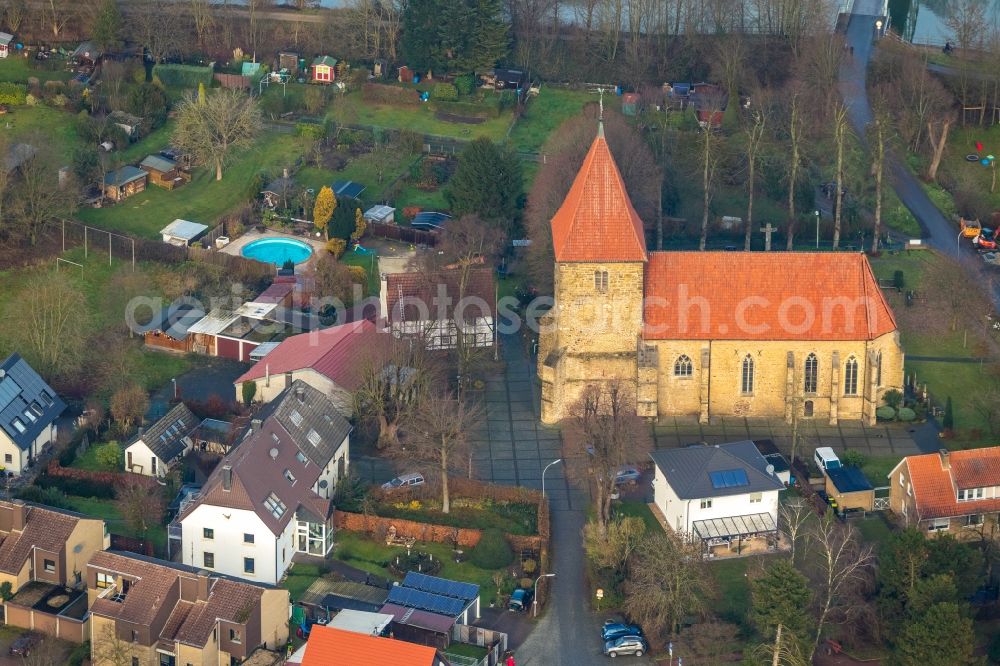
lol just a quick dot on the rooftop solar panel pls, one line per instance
(732, 478)
(8, 391)
(432, 603)
(443, 586)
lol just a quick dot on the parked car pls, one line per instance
(635, 645)
(404, 480)
(627, 474)
(24, 644)
(612, 630)
(520, 600)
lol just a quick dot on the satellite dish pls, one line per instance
(273, 453)
(770, 470)
(323, 483)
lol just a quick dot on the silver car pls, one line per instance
(634, 645)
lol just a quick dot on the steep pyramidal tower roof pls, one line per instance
(596, 221)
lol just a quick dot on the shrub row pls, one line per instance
(183, 76)
(78, 487)
(381, 93)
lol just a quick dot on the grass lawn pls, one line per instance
(108, 510)
(153, 142)
(361, 552)
(19, 69)
(876, 469)
(43, 124)
(203, 199)
(419, 119)
(733, 602)
(370, 263)
(510, 517)
(972, 176)
(299, 578)
(466, 650)
(88, 460)
(874, 530)
(637, 509)
(547, 111)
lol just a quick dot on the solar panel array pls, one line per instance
(348, 188)
(731, 478)
(432, 603)
(447, 588)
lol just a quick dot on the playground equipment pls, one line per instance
(360, 249)
(987, 240)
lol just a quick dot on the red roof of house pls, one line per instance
(335, 352)
(275, 293)
(328, 646)
(596, 221)
(763, 296)
(415, 296)
(935, 489)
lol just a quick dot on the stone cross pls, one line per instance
(767, 231)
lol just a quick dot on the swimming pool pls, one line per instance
(277, 251)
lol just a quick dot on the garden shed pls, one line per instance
(86, 54)
(168, 330)
(182, 232)
(163, 171)
(5, 39)
(324, 69)
(850, 488)
(381, 214)
(289, 61)
(347, 189)
(124, 182)
(417, 626)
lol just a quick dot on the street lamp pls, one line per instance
(817, 229)
(878, 27)
(958, 245)
(534, 597)
(554, 462)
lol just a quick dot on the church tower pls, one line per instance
(592, 333)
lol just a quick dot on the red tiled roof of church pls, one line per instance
(596, 221)
(763, 296)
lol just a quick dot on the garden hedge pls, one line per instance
(492, 551)
(183, 76)
(445, 92)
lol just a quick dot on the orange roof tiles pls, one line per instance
(763, 296)
(596, 221)
(336, 647)
(935, 488)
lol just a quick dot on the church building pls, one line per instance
(706, 334)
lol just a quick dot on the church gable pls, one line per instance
(596, 221)
(763, 296)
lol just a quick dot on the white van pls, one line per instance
(826, 459)
(404, 481)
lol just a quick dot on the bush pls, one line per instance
(898, 280)
(529, 567)
(906, 414)
(886, 413)
(465, 84)
(492, 551)
(6, 591)
(31, 100)
(445, 92)
(13, 93)
(78, 487)
(336, 247)
(893, 398)
(525, 583)
(183, 76)
(852, 458)
(358, 274)
(109, 456)
(312, 131)
(47, 496)
(948, 422)
(80, 653)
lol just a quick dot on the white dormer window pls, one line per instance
(301, 457)
(290, 477)
(19, 425)
(970, 494)
(296, 417)
(314, 438)
(274, 505)
(28, 415)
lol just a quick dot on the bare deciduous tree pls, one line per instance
(753, 145)
(793, 516)
(841, 131)
(109, 649)
(795, 138)
(390, 389)
(604, 433)
(710, 147)
(227, 120)
(880, 137)
(140, 505)
(40, 197)
(46, 323)
(128, 405)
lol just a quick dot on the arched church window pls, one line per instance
(746, 376)
(811, 375)
(851, 377)
(601, 282)
(683, 366)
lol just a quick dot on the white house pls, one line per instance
(435, 308)
(270, 497)
(726, 494)
(155, 450)
(28, 412)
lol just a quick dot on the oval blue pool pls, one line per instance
(277, 251)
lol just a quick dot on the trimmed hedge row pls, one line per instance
(183, 76)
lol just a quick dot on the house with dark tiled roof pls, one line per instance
(148, 611)
(435, 308)
(153, 451)
(331, 360)
(725, 496)
(956, 492)
(707, 334)
(28, 412)
(270, 497)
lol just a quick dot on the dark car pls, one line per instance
(520, 600)
(614, 630)
(24, 644)
(634, 645)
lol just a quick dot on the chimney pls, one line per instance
(19, 516)
(203, 586)
(945, 459)
(227, 477)
(255, 425)
(141, 431)
(300, 393)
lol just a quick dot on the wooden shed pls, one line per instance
(163, 172)
(324, 69)
(124, 182)
(849, 487)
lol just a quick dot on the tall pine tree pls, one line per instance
(108, 24)
(454, 35)
(488, 183)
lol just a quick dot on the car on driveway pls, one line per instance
(404, 481)
(24, 644)
(627, 474)
(520, 600)
(612, 630)
(634, 645)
